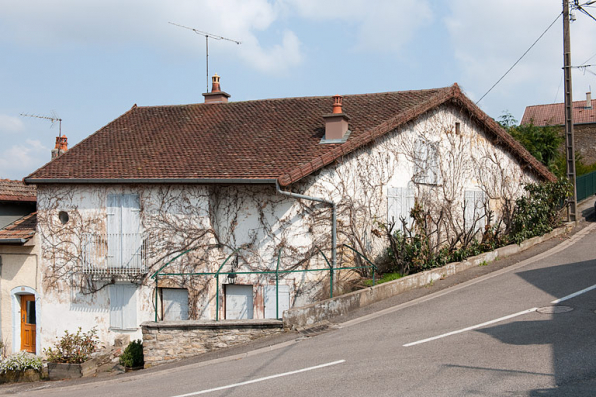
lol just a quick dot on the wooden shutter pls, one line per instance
(114, 229)
(175, 304)
(123, 306)
(270, 297)
(131, 225)
(400, 202)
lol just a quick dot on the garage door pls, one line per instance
(284, 300)
(239, 303)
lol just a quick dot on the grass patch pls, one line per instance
(386, 277)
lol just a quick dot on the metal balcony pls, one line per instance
(114, 254)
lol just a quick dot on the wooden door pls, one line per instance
(28, 323)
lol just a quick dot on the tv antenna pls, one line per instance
(53, 118)
(207, 36)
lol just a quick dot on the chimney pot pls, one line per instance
(337, 100)
(216, 95)
(61, 146)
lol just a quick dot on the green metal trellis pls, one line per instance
(218, 273)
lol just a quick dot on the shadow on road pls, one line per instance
(571, 333)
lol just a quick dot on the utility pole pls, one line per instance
(569, 141)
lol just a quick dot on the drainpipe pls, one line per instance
(333, 217)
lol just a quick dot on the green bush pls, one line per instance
(133, 354)
(20, 362)
(537, 213)
(73, 348)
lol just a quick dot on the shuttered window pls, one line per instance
(123, 227)
(400, 201)
(426, 162)
(123, 306)
(474, 202)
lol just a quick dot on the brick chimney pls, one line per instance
(216, 95)
(336, 123)
(589, 100)
(61, 146)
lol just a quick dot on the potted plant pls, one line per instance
(20, 367)
(70, 356)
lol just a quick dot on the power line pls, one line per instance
(520, 58)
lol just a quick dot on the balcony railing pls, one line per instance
(114, 254)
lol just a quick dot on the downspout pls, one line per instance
(333, 217)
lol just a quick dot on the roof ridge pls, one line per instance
(296, 97)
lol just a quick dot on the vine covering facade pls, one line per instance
(436, 160)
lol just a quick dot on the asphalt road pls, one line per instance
(500, 334)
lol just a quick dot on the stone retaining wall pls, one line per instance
(174, 340)
(308, 315)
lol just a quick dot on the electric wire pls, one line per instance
(520, 58)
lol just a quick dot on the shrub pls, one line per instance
(537, 213)
(20, 362)
(133, 354)
(73, 348)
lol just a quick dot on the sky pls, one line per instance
(88, 62)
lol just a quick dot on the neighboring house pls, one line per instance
(584, 123)
(19, 249)
(212, 180)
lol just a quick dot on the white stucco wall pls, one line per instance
(216, 220)
(18, 276)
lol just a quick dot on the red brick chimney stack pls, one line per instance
(336, 123)
(216, 95)
(61, 146)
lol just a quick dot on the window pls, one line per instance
(474, 208)
(123, 306)
(426, 162)
(400, 201)
(124, 224)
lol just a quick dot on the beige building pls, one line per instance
(19, 251)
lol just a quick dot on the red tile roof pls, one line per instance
(263, 140)
(23, 228)
(554, 114)
(16, 191)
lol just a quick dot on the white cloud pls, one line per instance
(64, 23)
(488, 37)
(17, 161)
(382, 26)
(10, 124)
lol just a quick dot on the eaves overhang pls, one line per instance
(169, 181)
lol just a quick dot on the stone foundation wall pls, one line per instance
(174, 340)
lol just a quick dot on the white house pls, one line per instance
(245, 181)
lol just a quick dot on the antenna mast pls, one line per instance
(207, 36)
(52, 118)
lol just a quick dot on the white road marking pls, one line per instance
(583, 291)
(573, 295)
(556, 249)
(261, 379)
(472, 327)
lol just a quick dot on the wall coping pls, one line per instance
(211, 324)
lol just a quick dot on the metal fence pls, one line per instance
(114, 254)
(586, 185)
(277, 272)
